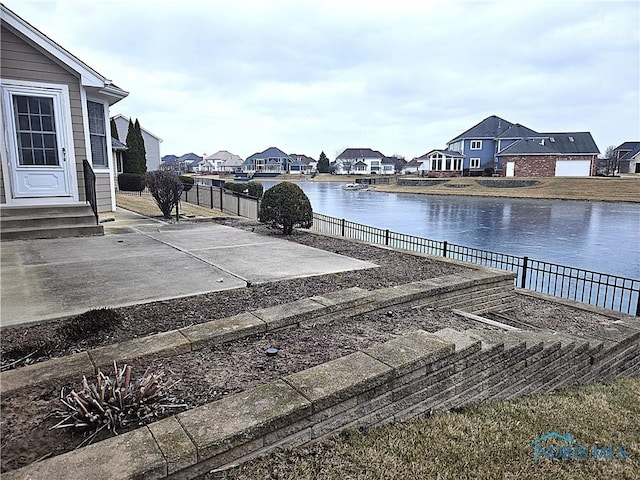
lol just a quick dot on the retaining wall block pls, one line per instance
(338, 380)
(386, 297)
(463, 342)
(286, 314)
(229, 457)
(223, 330)
(133, 454)
(174, 443)
(243, 417)
(336, 423)
(418, 385)
(411, 351)
(43, 373)
(167, 343)
(347, 298)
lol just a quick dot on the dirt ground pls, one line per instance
(395, 268)
(211, 373)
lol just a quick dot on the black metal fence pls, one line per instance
(600, 289)
(90, 187)
(213, 197)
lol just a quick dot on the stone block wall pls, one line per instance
(397, 380)
(475, 291)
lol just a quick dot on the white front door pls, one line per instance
(39, 145)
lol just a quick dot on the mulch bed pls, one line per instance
(213, 372)
(58, 338)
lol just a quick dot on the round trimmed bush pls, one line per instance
(235, 186)
(286, 206)
(255, 189)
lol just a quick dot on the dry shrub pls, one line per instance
(116, 403)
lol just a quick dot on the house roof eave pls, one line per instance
(141, 127)
(88, 76)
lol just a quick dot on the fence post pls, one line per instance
(523, 281)
(178, 211)
(197, 195)
(386, 237)
(342, 224)
(222, 199)
(211, 195)
(238, 205)
(444, 248)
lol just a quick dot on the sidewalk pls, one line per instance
(140, 260)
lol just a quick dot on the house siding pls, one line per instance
(103, 191)
(485, 154)
(151, 143)
(21, 61)
(152, 147)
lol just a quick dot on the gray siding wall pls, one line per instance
(103, 192)
(152, 148)
(21, 61)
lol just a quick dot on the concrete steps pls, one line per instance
(54, 221)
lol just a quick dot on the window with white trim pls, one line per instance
(476, 145)
(474, 163)
(97, 134)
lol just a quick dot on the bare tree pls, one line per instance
(611, 161)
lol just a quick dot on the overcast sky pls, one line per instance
(402, 77)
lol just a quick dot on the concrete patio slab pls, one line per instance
(142, 260)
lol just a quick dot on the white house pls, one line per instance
(222, 161)
(361, 161)
(151, 141)
(55, 114)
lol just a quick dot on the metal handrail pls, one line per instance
(90, 188)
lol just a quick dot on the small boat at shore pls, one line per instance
(355, 186)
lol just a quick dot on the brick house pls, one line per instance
(572, 154)
(497, 146)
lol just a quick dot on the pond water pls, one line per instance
(599, 236)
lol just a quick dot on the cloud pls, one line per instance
(402, 77)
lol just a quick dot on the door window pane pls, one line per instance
(35, 130)
(50, 141)
(47, 124)
(50, 156)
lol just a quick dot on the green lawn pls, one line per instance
(491, 441)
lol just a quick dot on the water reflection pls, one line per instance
(598, 236)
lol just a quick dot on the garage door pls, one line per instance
(573, 168)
